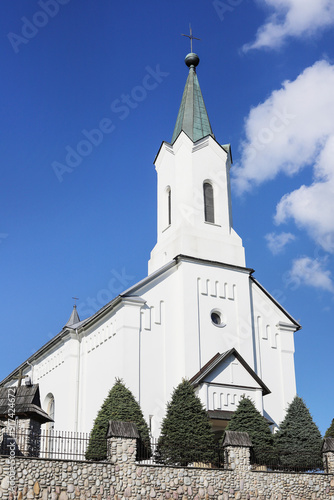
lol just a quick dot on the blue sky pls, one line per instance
(84, 224)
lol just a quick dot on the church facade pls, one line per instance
(199, 313)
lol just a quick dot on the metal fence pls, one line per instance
(47, 444)
(171, 454)
(73, 446)
(288, 462)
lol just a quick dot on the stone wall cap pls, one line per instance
(328, 445)
(122, 429)
(234, 438)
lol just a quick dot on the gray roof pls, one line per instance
(27, 403)
(328, 445)
(122, 429)
(74, 318)
(234, 438)
(192, 117)
(284, 311)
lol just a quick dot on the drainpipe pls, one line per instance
(77, 384)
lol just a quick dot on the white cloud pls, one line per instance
(312, 207)
(277, 242)
(310, 272)
(292, 18)
(291, 130)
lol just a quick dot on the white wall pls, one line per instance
(183, 168)
(165, 333)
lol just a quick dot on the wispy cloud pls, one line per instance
(311, 272)
(292, 18)
(303, 138)
(277, 242)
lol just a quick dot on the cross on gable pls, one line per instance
(19, 378)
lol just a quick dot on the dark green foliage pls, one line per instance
(247, 418)
(120, 405)
(186, 434)
(298, 442)
(330, 431)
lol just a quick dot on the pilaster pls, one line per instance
(237, 446)
(328, 455)
(122, 440)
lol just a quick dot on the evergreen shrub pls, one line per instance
(186, 434)
(330, 431)
(247, 418)
(298, 441)
(122, 406)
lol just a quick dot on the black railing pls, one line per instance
(46, 444)
(73, 446)
(175, 456)
(288, 462)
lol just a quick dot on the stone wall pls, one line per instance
(329, 461)
(121, 478)
(328, 454)
(237, 458)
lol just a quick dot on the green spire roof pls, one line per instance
(192, 118)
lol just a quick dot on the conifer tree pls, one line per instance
(330, 431)
(119, 405)
(186, 433)
(298, 441)
(247, 418)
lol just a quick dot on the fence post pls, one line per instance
(328, 455)
(122, 442)
(237, 447)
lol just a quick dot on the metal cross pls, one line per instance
(191, 37)
(19, 378)
(75, 299)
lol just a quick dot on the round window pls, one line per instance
(216, 318)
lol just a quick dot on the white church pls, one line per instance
(199, 313)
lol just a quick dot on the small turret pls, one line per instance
(74, 318)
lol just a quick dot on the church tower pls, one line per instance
(199, 314)
(194, 195)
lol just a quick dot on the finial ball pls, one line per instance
(192, 60)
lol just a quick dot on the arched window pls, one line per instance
(169, 206)
(50, 410)
(47, 442)
(209, 212)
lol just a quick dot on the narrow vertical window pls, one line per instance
(169, 206)
(51, 410)
(209, 213)
(47, 443)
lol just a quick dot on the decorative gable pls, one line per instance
(227, 377)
